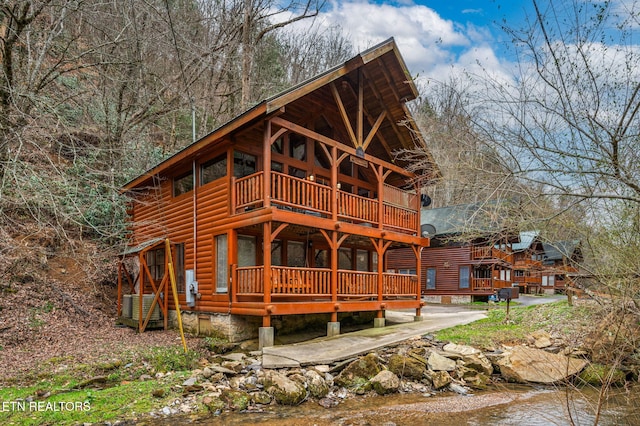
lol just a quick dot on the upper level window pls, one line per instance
(213, 169)
(243, 164)
(183, 183)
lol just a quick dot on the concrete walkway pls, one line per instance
(326, 350)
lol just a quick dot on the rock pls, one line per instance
(236, 382)
(408, 367)
(473, 378)
(440, 379)
(438, 362)
(190, 381)
(541, 339)
(232, 365)
(236, 356)
(235, 400)
(478, 362)
(460, 349)
(158, 393)
(166, 411)
(191, 389)
(283, 389)
(598, 375)
(454, 387)
(359, 372)
(218, 369)
(145, 377)
(329, 402)
(523, 364)
(207, 372)
(261, 397)
(321, 368)
(316, 385)
(385, 382)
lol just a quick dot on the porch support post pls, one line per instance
(380, 249)
(334, 183)
(418, 252)
(334, 276)
(266, 278)
(266, 155)
(119, 308)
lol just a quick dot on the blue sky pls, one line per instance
(437, 38)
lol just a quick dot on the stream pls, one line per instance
(503, 405)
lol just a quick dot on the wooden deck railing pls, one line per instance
(355, 207)
(481, 284)
(354, 283)
(249, 191)
(399, 284)
(308, 196)
(300, 193)
(317, 282)
(486, 252)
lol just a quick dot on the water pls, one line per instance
(509, 405)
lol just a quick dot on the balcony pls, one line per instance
(397, 211)
(488, 284)
(315, 283)
(490, 254)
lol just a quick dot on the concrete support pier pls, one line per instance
(333, 328)
(378, 322)
(418, 318)
(265, 337)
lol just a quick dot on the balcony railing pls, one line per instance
(488, 284)
(305, 196)
(490, 253)
(291, 281)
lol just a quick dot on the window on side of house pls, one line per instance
(156, 264)
(296, 254)
(213, 169)
(183, 184)
(431, 278)
(222, 263)
(464, 277)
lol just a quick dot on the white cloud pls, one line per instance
(431, 46)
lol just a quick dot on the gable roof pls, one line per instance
(527, 238)
(390, 86)
(462, 218)
(561, 249)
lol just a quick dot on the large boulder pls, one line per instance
(385, 382)
(284, 390)
(471, 357)
(523, 364)
(359, 372)
(438, 362)
(407, 367)
(440, 379)
(316, 384)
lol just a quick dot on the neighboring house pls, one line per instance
(290, 209)
(527, 266)
(560, 265)
(469, 259)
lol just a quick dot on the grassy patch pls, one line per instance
(61, 397)
(495, 329)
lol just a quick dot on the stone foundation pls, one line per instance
(237, 328)
(449, 299)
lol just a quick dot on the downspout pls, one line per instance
(195, 198)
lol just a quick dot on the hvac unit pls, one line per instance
(146, 304)
(126, 306)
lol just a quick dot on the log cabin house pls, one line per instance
(470, 256)
(290, 209)
(560, 266)
(527, 267)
